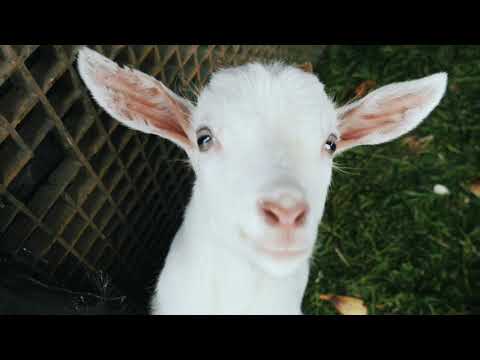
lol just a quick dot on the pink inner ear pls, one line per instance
(359, 133)
(141, 99)
(389, 113)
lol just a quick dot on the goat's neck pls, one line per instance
(216, 279)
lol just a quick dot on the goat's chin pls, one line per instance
(275, 256)
(278, 261)
(280, 265)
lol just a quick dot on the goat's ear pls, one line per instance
(135, 99)
(389, 112)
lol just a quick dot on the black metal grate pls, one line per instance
(77, 190)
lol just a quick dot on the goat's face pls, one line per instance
(265, 173)
(261, 141)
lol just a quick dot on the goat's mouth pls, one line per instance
(283, 254)
(286, 252)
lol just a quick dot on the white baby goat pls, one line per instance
(261, 141)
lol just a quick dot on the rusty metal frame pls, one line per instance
(78, 191)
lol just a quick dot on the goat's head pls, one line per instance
(261, 141)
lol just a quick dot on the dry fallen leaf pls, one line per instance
(346, 305)
(307, 67)
(417, 145)
(364, 88)
(455, 88)
(475, 188)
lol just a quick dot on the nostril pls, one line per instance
(270, 216)
(301, 217)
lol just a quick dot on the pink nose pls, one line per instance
(284, 217)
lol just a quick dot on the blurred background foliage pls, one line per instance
(386, 237)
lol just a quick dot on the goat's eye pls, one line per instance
(204, 139)
(331, 144)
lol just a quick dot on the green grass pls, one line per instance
(386, 237)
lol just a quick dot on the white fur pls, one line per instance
(270, 124)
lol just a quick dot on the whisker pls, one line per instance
(343, 169)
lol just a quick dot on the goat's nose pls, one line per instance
(287, 217)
